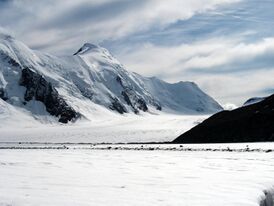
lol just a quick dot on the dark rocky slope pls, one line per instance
(40, 89)
(253, 123)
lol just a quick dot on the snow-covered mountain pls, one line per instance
(253, 100)
(89, 82)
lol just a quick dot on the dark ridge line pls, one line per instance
(89, 143)
(64, 147)
(131, 143)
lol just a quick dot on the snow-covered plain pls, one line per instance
(55, 164)
(103, 129)
(127, 177)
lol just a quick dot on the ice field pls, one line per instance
(104, 175)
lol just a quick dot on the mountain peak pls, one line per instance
(253, 100)
(93, 78)
(86, 48)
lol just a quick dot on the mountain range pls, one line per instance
(91, 80)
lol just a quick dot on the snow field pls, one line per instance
(125, 177)
(103, 129)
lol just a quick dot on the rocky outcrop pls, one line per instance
(268, 199)
(157, 106)
(8, 59)
(3, 94)
(132, 99)
(141, 104)
(253, 123)
(135, 102)
(117, 106)
(40, 89)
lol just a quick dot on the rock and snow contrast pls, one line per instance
(253, 100)
(45, 163)
(80, 128)
(251, 123)
(48, 88)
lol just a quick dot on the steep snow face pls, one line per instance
(181, 96)
(92, 81)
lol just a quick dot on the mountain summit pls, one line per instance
(86, 48)
(85, 83)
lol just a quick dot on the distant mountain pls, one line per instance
(75, 86)
(252, 123)
(253, 100)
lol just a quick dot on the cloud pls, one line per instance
(226, 46)
(220, 66)
(71, 23)
(229, 106)
(217, 55)
(238, 87)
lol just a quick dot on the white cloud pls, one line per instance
(237, 87)
(231, 67)
(43, 24)
(229, 70)
(150, 59)
(229, 106)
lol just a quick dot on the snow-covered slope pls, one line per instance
(87, 83)
(253, 100)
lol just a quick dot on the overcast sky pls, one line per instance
(225, 46)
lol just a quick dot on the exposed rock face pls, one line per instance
(131, 98)
(133, 101)
(268, 200)
(40, 89)
(141, 104)
(253, 123)
(8, 59)
(117, 106)
(3, 94)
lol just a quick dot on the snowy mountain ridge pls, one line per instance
(253, 100)
(88, 83)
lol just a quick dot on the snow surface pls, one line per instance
(110, 129)
(124, 177)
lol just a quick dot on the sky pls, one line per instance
(225, 46)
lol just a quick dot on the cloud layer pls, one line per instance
(226, 46)
(231, 70)
(43, 24)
